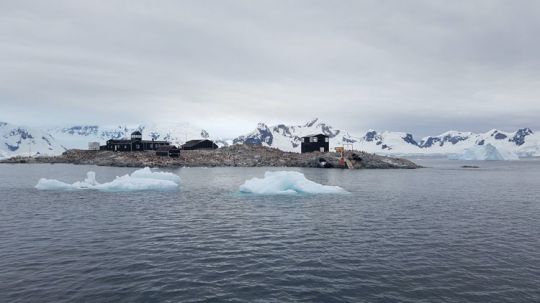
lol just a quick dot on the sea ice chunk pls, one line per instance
(142, 179)
(286, 182)
(147, 173)
(484, 152)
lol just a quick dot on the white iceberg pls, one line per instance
(286, 182)
(147, 173)
(484, 152)
(142, 179)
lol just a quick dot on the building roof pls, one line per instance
(121, 141)
(136, 133)
(315, 135)
(129, 141)
(192, 143)
(152, 141)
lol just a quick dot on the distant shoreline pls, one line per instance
(232, 156)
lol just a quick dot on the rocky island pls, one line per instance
(231, 156)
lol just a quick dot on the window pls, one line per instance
(326, 139)
(313, 139)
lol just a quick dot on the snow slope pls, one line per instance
(19, 140)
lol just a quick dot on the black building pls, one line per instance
(317, 142)
(136, 143)
(168, 151)
(199, 144)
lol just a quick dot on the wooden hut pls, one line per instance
(316, 142)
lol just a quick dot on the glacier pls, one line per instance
(286, 182)
(142, 179)
(485, 152)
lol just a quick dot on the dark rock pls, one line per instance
(519, 136)
(499, 136)
(409, 139)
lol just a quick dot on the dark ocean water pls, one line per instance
(439, 234)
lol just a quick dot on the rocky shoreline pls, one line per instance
(232, 156)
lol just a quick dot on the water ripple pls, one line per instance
(401, 236)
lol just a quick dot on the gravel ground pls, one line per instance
(236, 155)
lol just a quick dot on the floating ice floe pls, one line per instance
(286, 182)
(484, 152)
(142, 179)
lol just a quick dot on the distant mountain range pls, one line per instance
(19, 140)
(523, 142)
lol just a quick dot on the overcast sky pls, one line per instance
(419, 66)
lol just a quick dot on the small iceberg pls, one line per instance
(142, 179)
(286, 182)
(486, 152)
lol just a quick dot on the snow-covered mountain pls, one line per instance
(523, 142)
(285, 137)
(19, 140)
(78, 136)
(289, 137)
(16, 140)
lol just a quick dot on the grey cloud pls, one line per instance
(422, 66)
